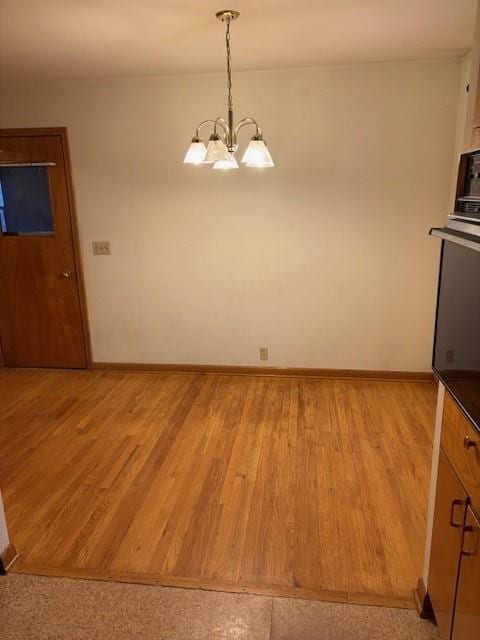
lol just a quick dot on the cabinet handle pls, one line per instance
(473, 550)
(456, 503)
(468, 442)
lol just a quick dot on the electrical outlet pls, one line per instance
(101, 248)
(263, 353)
(450, 356)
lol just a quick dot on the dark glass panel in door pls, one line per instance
(25, 207)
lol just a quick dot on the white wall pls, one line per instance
(325, 259)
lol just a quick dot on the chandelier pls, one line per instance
(222, 144)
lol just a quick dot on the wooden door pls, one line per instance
(466, 624)
(449, 519)
(41, 321)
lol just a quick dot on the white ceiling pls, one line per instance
(62, 39)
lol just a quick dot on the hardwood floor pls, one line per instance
(291, 486)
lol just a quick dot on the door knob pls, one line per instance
(68, 273)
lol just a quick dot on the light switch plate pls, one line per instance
(101, 248)
(263, 353)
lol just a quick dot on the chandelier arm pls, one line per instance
(223, 123)
(220, 121)
(246, 121)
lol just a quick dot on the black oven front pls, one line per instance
(456, 355)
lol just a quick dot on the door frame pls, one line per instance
(61, 132)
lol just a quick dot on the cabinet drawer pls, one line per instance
(456, 428)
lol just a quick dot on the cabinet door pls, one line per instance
(466, 624)
(449, 519)
(476, 119)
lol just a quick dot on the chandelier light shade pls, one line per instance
(225, 165)
(222, 145)
(216, 150)
(196, 152)
(257, 154)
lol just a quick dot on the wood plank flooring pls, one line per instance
(291, 486)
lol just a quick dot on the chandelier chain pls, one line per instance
(229, 69)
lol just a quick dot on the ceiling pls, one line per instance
(70, 39)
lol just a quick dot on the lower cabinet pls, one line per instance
(454, 575)
(466, 622)
(449, 519)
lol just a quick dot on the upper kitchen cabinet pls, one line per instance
(476, 119)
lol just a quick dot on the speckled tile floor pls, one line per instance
(37, 608)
